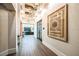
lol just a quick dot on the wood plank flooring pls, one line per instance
(33, 47)
(13, 54)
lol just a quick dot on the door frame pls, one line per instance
(37, 30)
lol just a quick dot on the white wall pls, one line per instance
(17, 25)
(38, 18)
(59, 47)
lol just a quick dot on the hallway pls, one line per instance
(33, 47)
(40, 29)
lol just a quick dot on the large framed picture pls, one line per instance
(57, 23)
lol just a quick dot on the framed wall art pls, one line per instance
(57, 23)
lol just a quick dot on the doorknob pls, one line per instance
(18, 36)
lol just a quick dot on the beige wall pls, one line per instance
(62, 48)
(11, 30)
(7, 31)
(3, 30)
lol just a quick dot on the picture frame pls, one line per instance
(57, 24)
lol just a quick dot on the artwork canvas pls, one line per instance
(57, 24)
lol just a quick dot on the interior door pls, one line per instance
(39, 30)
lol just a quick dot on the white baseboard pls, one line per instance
(53, 49)
(4, 53)
(12, 50)
(8, 51)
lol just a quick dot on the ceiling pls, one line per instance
(29, 11)
(7, 6)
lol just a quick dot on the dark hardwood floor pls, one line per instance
(33, 47)
(13, 54)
